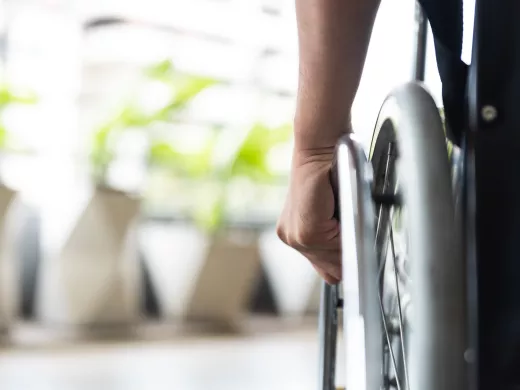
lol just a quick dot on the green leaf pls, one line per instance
(3, 136)
(102, 152)
(184, 87)
(190, 87)
(131, 116)
(163, 154)
(191, 164)
(251, 158)
(163, 71)
(210, 215)
(9, 96)
(105, 137)
(184, 90)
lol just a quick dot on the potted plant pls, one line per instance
(95, 277)
(9, 210)
(233, 264)
(218, 289)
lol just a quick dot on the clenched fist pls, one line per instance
(307, 223)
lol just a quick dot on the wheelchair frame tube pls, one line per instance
(328, 331)
(421, 35)
(492, 193)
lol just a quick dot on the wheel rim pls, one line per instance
(434, 338)
(392, 258)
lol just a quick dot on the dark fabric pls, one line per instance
(445, 17)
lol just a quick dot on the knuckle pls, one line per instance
(305, 238)
(299, 237)
(280, 232)
(289, 240)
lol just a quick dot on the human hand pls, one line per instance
(307, 222)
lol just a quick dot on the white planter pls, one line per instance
(90, 275)
(223, 288)
(9, 269)
(199, 278)
(175, 255)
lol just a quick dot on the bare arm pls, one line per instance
(333, 40)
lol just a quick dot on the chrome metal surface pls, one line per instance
(428, 323)
(421, 35)
(361, 317)
(328, 330)
(438, 339)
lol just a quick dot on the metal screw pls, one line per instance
(489, 113)
(469, 355)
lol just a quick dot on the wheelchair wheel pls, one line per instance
(403, 270)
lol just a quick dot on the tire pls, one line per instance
(433, 327)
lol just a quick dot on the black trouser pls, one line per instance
(445, 17)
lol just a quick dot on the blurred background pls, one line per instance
(144, 157)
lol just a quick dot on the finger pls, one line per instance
(326, 276)
(329, 262)
(326, 237)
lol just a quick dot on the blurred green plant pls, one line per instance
(193, 164)
(251, 158)
(9, 97)
(250, 161)
(182, 88)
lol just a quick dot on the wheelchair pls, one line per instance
(430, 297)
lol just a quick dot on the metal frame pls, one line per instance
(421, 38)
(492, 194)
(361, 310)
(438, 344)
(328, 331)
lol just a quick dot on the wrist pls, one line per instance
(315, 156)
(315, 136)
(309, 149)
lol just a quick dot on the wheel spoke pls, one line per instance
(389, 342)
(387, 201)
(401, 332)
(386, 367)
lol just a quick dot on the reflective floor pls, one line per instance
(275, 362)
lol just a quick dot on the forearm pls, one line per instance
(333, 40)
